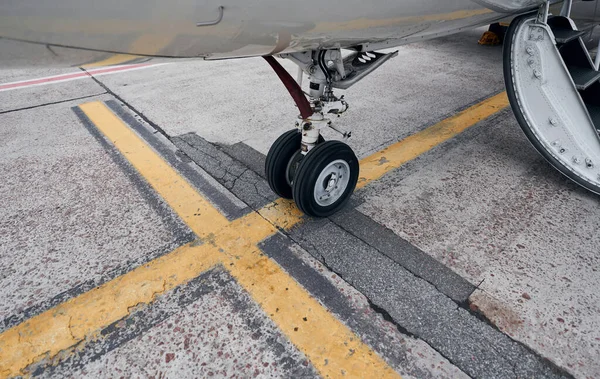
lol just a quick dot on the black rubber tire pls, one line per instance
(280, 153)
(512, 97)
(309, 170)
(278, 158)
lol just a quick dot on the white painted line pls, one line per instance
(74, 76)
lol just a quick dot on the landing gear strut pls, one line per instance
(320, 176)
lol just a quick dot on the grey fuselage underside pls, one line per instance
(248, 28)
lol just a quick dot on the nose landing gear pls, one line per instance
(320, 176)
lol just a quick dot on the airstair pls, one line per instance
(553, 85)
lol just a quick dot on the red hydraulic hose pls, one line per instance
(292, 86)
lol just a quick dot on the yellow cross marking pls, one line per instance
(332, 348)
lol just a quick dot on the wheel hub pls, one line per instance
(332, 182)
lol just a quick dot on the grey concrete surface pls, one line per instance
(69, 213)
(419, 309)
(209, 327)
(39, 95)
(24, 98)
(501, 217)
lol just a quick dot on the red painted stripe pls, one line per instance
(72, 76)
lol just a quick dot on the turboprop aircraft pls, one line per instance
(551, 80)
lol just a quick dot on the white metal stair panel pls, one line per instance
(550, 103)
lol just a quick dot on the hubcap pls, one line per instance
(332, 183)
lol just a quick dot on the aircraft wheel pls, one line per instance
(278, 159)
(282, 162)
(325, 179)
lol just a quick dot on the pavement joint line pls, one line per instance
(52, 103)
(235, 246)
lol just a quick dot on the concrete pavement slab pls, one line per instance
(492, 210)
(70, 214)
(16, 69)
(210, 327)
(26, 98)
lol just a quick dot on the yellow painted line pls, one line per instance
(70, 323)
(333, 349)
(112, 60)
(282, 213)
(393, 156)
(193, 209)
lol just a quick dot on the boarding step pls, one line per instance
(357, 65)
(562, 28)
(583, 77)
(564, 35)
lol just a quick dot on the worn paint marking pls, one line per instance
(194, 209)
(394, 156)
(73, 76)
(72, 322)
(332, 347)
(149, 43)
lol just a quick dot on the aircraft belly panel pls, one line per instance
(248, 27)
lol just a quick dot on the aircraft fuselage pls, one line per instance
(250, 28)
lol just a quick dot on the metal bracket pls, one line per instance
(215, 22)
(565, 11)
(542, 15)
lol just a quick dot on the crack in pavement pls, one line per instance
(52, 103)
